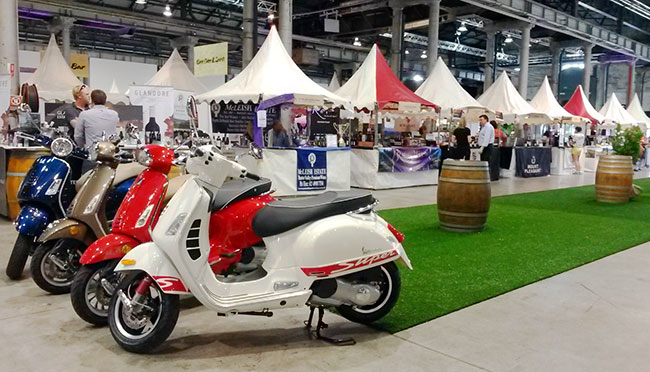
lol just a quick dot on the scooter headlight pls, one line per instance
(61, 147)
(143, 157)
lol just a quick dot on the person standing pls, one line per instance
(96, 122)
(577, 142)
(280, 136)
(461, 138)
(485, 138)
(68, 114)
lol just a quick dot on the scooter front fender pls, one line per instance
(31, 220)
(66, 228)
(148, 257)
(109, 247)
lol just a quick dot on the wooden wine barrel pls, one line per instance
(463, 195)
(18, 165)
(614, 178)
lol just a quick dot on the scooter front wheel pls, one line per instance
(387, 279)
(141, 322)
(91, 291)
(55, 264)
(19, 255)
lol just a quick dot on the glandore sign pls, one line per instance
(533, 161)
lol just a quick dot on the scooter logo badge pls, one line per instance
(348, 265)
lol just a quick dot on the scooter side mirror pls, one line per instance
(255, 150)
(192, 110)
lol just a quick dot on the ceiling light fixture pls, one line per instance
(417, 78)
(168, 11)
(423, 55)
(141, 2)
(462, 27)
(356, 42)
(270, 17)
(508, 39)
(406, 51)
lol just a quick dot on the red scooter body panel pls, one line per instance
(161, 158)
(231, 231)
(141, 206)
(109, 247)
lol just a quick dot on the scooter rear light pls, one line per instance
(398, 235)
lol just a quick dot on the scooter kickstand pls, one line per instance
(322, 325)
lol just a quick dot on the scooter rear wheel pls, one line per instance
(387, 278)
(90, 297)
(145, 325)
(19, 255)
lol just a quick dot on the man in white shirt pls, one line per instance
(485, 138)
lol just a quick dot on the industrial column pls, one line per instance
(189, 42)
(631, 86)
(66, 25)
(524, 53)
(434, 25)
(397, 31)
(285, 25)
(586, 73)
(489, 58)
(556, 52)
(249, 29)
(9, 42)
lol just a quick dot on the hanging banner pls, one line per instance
(211, 60)
(532, 161)
(5, 92)
(79, 65)
(312, 169)
(408, 159)
(235, 117)
(157, 111)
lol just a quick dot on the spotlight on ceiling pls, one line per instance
(356, 42)
(417, 78)
(168, 11)
(462, 27)
(423, 55)
(141, 2)
(508, 39)
(406, 51)
(271, 17)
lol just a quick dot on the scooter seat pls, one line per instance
(175, 184)
(238, 189)
(125, 171)
(284, 215)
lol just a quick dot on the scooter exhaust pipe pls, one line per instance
(336, 292)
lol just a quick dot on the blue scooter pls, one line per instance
(48, 189)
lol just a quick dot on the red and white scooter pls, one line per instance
(328, 250)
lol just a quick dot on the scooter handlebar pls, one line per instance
(253, 176)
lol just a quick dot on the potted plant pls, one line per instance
(616, 172)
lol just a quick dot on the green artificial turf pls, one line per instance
(528, 237)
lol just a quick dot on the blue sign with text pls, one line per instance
(312, 169)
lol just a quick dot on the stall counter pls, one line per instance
(321, 169)
(371, 171)
(15, 162)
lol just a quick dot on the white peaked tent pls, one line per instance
(271, 73)
(503, 97)
(544, 101)
(614, 111)
(442, 88)
(114, 96)
(334, 83)
(175, 73)
(53, 78)
(635, 109)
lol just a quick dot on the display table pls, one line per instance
(392, 167)
(15, 162)
(532, 161)
(562, 161)
(302, 171)
(591, 155)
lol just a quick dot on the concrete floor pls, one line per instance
(593, 318)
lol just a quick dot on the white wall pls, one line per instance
(103, 71)
(212, 82)
(27, 60)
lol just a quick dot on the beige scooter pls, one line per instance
(56, 260)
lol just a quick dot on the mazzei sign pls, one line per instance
(211, 59)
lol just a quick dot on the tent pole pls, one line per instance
(376, 124)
